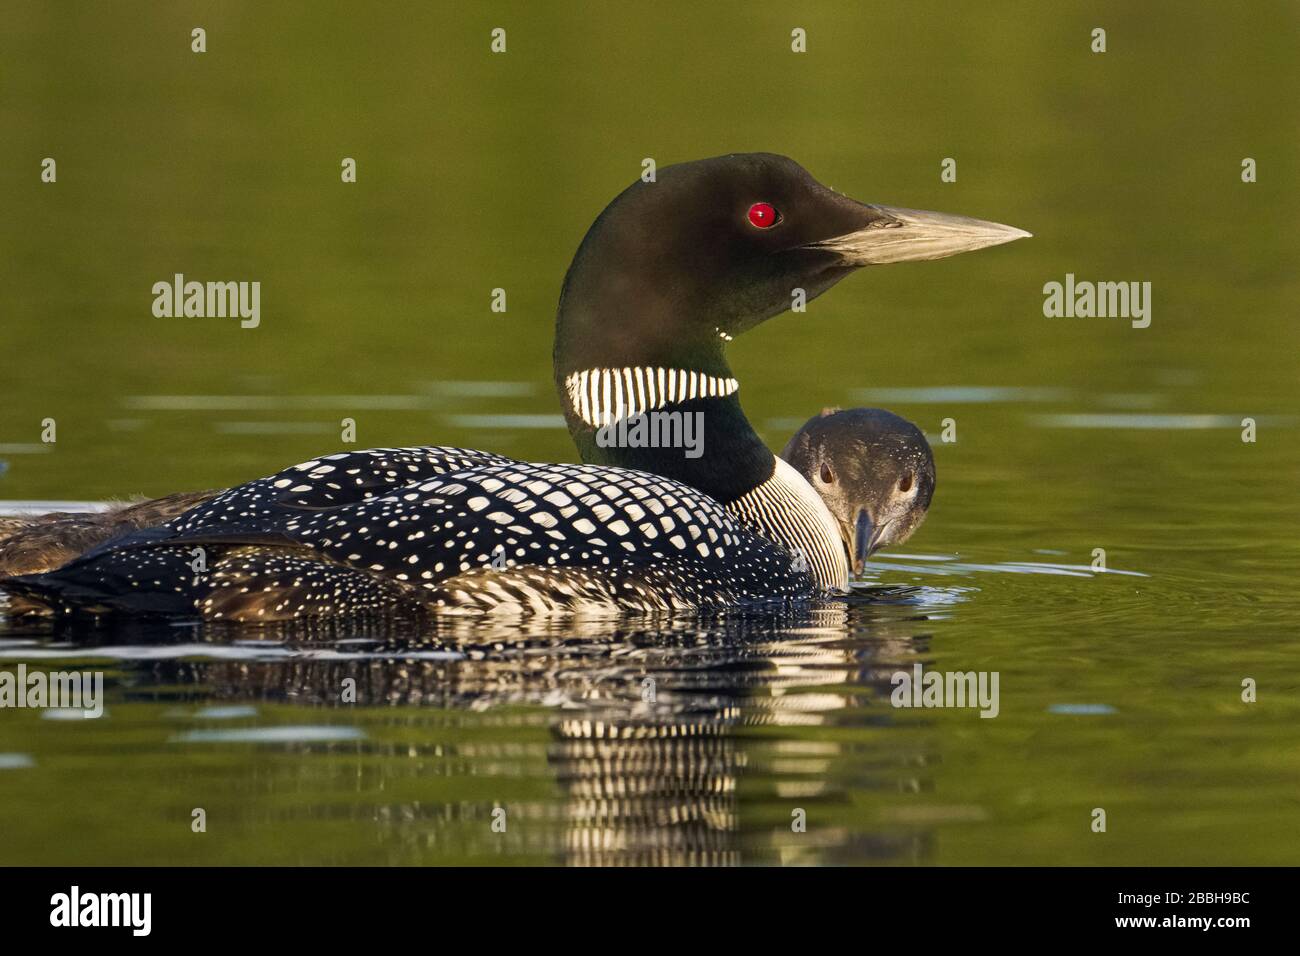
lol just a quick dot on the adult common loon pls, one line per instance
(669, 272)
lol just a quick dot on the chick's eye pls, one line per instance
(905, 483)
(763, 215)
(827, 475)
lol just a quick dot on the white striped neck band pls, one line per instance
(601, 396)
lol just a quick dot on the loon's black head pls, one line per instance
(672, 269)
(874, 470)
(711, 248)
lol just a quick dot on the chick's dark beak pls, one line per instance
(866, 539)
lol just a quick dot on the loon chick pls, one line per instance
(874, 470)
(669, 272)
(30, 545)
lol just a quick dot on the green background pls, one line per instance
(478, 171)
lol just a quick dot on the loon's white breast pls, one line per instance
(785, 508)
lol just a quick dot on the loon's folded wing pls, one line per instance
(519, 536)
(31, 545)
(335, 480)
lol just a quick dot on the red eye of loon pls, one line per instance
(764, 215)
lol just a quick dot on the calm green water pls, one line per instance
(1118, 690)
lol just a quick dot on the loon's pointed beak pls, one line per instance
(865, 540)
(914, 235)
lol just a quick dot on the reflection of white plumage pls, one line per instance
(703, 773)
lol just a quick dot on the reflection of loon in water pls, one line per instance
(708, 772)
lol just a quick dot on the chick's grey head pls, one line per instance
(874, 470)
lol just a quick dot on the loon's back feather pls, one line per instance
(438, 528)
